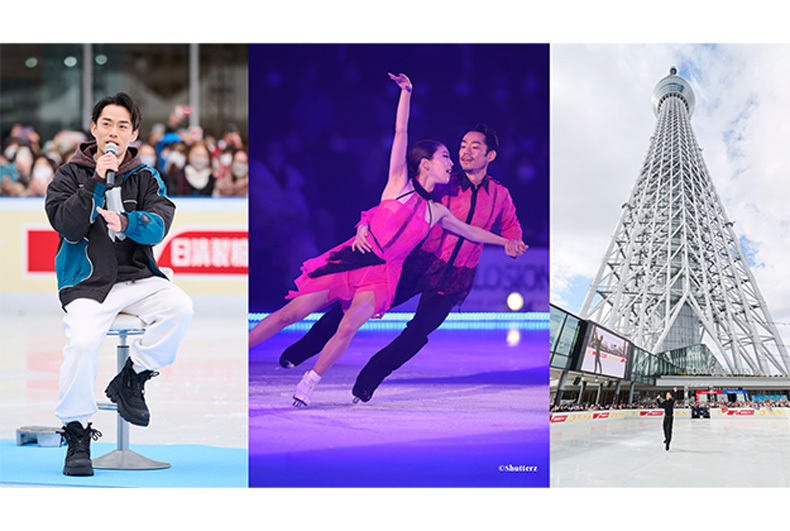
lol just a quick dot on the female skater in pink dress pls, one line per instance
(365, 283)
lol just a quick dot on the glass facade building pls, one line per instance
(564, 333)
(644, 367)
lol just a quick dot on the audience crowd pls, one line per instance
(190, 162)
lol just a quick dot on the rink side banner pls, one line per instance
(498, 276)
(568, 417)
(207, 243)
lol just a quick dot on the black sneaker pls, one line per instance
(78, 456)
(126, 391)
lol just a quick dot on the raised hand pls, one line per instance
(403, 81)
(108, 161)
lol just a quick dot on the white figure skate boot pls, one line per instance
(304, 390)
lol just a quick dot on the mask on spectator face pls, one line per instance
(239, 169)
(55, 157)
(24, 160)
(199, 163)
(43, 173)
(177, 158)
(149, 160)
(10, 151)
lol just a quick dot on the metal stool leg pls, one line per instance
(122, 458)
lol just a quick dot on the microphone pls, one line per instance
(110, 147)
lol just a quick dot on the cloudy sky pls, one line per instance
(601, 123)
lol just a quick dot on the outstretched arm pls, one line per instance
(399, 173)
(449, 222)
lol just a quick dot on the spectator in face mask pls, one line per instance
(41, 175)
(236, 182)
(24, 163)
(197, 177)
(15, 174)
(9, 180)
(174, 158)
(148, 155)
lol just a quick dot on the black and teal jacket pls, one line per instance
(88, 262)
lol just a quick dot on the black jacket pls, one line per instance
(88, 262)
(668, 405)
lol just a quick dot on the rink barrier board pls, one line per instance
(207, 246)
(568, 417)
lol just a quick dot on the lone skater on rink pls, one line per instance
(668, 405)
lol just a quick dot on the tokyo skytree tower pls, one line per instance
(674, 271)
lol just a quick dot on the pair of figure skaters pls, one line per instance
(413, 242)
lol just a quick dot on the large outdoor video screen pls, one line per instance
(604, 353)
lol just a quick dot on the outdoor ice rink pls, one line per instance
(198, 406)
(453, 416)
(718, 452)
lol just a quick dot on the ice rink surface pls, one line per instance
(458, 414)
(200, 399)
(720, 452)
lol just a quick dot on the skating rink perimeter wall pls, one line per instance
(207, 248)
(569, 417)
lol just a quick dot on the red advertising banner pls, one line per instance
(212, 252)
(41, 246)
(737, 411)
(204, 252)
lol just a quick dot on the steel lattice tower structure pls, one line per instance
(674, 271)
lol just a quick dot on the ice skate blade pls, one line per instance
(286, 365)
(355, 401)
(298, 403)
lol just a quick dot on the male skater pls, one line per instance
(597, 344)
(109, 210)
(668, 405)
(442, 269)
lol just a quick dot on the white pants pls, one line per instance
(161, 305)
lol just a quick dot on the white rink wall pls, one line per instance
(568, 417)
(206, 247)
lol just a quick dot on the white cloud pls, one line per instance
(602, 121)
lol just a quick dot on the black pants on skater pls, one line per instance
(669, 408)
(432, 310)
(667, 430)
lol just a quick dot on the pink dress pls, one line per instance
(396, 229)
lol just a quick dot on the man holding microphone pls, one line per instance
(110, 210)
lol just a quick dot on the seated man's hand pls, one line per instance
(114, 221)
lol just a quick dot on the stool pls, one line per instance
(122, 458)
